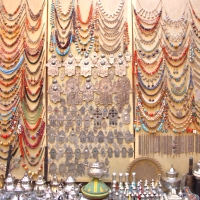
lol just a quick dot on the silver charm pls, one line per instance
(52, 169)
(80, 169)
(77, 153)
(51, 136)
(110, 152)
(69, 119)
(120, 137)
(60, 153)
(62, 102)
(53, 64)
(105, 91)
(111, 59)
(52, 120)
(88, 90)
(102, 66)
(124, 152)
(86, 153)
(72, 92)
(69, 153)
(49, 108)
(54, 92)
(94, 73)
(126, 117)
(64, 111)
(72, 137)
(78, 120)
(130, 152)
(53, 153)
(70, 65)
(120, 65)
(111, 74)
(61, 137)
(97, 116)
(90, 137)
(128, 56)
(86, 66)
(113, 116)
(100, 136)
(71, 168)
(86, 120)
(82, 110)
(60, 119)
(104, 125)
(94, 58)
(78, 58)
(103, 153)
(110, 137)
(82, 137)
(129, 138)
(73, 111)
(105, 112)
(62, 74)
(123, 90)
(62, 169)
(106, 162)
(117, 152)
(95, 153)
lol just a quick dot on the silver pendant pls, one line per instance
(64, 111)
(69, 153)
(69, 119)
(60, 153)
(77, 153)
(125, 117)
(128, 56)
(120, 137)
(72, 92)
(60, 119)
(86, 153)
(51, 136)
(62, 169)
(111, 74)
(95, 153)
(105, 91)
(52, 120)
(71, 169)
(179, 114)
(111, 59)
(97, 116)
(70, 65)
(73, 110)
(102, 66)
(78, 58)
(123, 90)
(94, 58)
(72, 137)
(86, 120)
(55, 91)
(61, 137)
(110, 137)
(53, 153)
(117, 152)
(129, 138)
(80, 169)
(130, 152)
(94, 73)
(49, 108)
(104, 125)
(100, 136)
(79, 120)
(120, 66)
(110, 152)
(53, 64)
(82, 110)
(103, 153)
(124, 152)
(86, 66)
(88, 90)
(113, 116)
(90, 137)
(82, 137)
(52, 169)
(106, 162)
(105, 112)
(62, 74)
(62, 102)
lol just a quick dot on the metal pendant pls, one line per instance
(105, 91)
(117, 152)
(95, 153)
(53, 153)
(86, 120)
(104, 125)
(100, 136)
(110, 152)
(60, 153)
(52, 120)
(88, 90)
(128, 56)
(82, 137)
(62, 169)
(72, 92)
(80, 169)
(130, 152)
(91, 110)
(78, 58)
(51, 136)
(54, 91)
(126, 117)
(103, 153)
(53, 64)
(113, 116)
(124, 152)
(106, 162)
(69, 153)
(61, 137)
(86, 153)
(120, 137)
(82, 110)
(62, 102)
(94, 58)
(111, 74)
(52, 169)
(78, 120)
(70, 65)
(97, 116)
(105, 112)
(120, 66)
(73, 111)
(49, 108)
(71, 169)
(129, 138)
(90, 137)
(94, 73)
(64, 111)
(110, 137)
(111, 59)
(77, 153)
(69, 119)
(62, 74)
(72, 137)
(102, 66)
(86, 66)
(60, 119)
(123, 90)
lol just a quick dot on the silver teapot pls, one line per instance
(19, 190)
(26, 182)
(70, 185)
(40, 186)
(9, 183)
(97, 169)
(54, 183)
(197, 171)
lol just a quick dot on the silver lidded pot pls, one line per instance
(54, 183)
(196, 172)
(71, 186)
(171, 181)
(26, 182)
(9, 183)
(40, 186)
(19, 192)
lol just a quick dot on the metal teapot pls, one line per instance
(97, 169)
(9, 183)
(71, 186)
(26, 182)
(40, 186)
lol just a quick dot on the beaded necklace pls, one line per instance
(148, 50)
(32, 81)
(193, 11)
(17, 48)
(12, 155)
(36, 61)
(14, 87)
(29, 91)
(38, 15)
(37, 98)
(11, 14)
(35, 27)
(11, 58)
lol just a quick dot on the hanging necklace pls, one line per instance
(29, 91)
(38, 15)
(32, 81)
(15, 12)
(37, 98)
(36, 61)
(35, 27)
